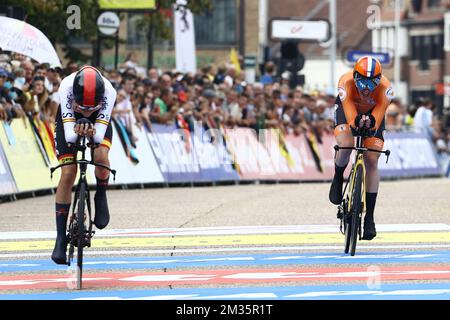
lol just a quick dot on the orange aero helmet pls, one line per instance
(367, 74)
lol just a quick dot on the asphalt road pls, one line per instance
(247, 241)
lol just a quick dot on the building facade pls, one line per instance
(424, 48)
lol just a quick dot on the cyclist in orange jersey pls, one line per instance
(364, 95)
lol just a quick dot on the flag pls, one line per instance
(234, 59)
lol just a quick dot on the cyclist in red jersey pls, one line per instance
(364, 95)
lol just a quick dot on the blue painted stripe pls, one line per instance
(233, 260)
(434, 291)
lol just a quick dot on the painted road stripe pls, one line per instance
(236, 260)
(164, 232)
(93, 252)
(330, 292)
(222, 277)
(236, 240)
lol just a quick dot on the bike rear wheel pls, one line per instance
(356, 209)
(81, 234)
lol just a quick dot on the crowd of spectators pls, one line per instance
(215, 96)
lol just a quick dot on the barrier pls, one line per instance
(280, 158)
(146, 171)
(412, 154)
(176, 158)
(213, 158)
(7, 184)
(25, 160)
(169, 155)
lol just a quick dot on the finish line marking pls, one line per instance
(228, 230)
(202, 241)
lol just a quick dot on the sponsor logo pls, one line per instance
(342, 93)
(390, 93)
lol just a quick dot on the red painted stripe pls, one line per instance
(89, 87)
(220, 276)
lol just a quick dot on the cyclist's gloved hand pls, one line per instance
(363, 121)
(84, 127)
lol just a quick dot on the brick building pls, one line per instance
(425, 52)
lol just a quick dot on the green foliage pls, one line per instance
(50, 16)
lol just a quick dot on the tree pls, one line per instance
(51, 17)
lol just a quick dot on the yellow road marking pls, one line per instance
(232, 240)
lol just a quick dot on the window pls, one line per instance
(437, 46)
(415, 48)
(416, 5)
(425, 48)
(217, 27)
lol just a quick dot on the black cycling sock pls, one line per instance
(339, 171)
(62, 212)
(371, 199)
(102, 185)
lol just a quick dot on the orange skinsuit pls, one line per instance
(353, 104)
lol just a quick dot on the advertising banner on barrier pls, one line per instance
(314, 158)
(174, 154)
(278, 157)
(7, 184)
(25, 160)
(128, 172)
(412, 154)
(215, 162)
(251, 159)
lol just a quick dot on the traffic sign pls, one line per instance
(354, 55)
(108, 23)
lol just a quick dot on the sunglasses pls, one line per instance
(365, 83)
(87, 108)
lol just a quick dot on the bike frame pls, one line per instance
(358, 162)
(83, 163)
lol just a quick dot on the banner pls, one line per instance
(146, 171)
(215, 162)
(25, 160)
(412, 154)
(7, 185)
(186, 60)
(124, 5)
(176, 160)
(320, 167)
(251, 158)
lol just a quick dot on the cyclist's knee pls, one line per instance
(101, 154)
(68, 175)
(371, 160)
(345, 139)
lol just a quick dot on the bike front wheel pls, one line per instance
(81, 234)
(356, 209)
